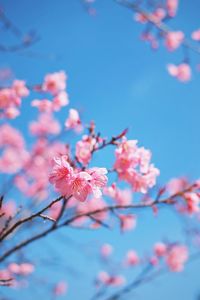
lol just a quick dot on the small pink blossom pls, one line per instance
(196, 35)
(43, 105)
(172, 6)
(23, 269)
(106, 250)
(19, 86)
(55, 82)
(8, 209)
(60, 100)
(160, 249)
(113, 280)
(60, 288)
(84, 149)
(158, 15)
(141, 18)
(122, 197)
(177, 257)
(176, 185)
(182, 72)
(46, 124)
(174, 39)
(73, 121)
(92, 205)
(192, 202)
(132, 258)
(127, 222)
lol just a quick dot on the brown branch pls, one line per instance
(169, 201)
(29, 218)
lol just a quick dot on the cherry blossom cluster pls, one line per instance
(174, 256)
(11, 98)
(155, 16)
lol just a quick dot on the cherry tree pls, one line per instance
(51, 179)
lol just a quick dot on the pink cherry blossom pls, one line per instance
(122, 197)
(172, 6)
(132, 258)
(133, 165)
(79, 184)
(173, 40)
(127, 222)
(160, 249)
(46, 124)
(73, 121)
(177, 257)
(196, 35)
(158, 15)
(55, 82)
(192, 202)
(23, 269)
(182, 72)
(8, 209)
(19, 86)
(84, 149)
(89, 206)
(107, 279)
(44, 105)
(141, 18)
(106, 250)
(9, 136)
(60, 288)
(176, 185)
(60, 100)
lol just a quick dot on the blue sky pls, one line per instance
(116, 80)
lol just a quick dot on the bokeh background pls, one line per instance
(118, 81)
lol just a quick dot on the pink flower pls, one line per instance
(160, 249)
(90, 206)
(128, 222)
(141, 18)
(8, 98)
(11, 112)
(176, 185)
(192, 202)
(154, 261)
(60, 100)
(19, 86)
(43, 105)
(9, 136)
(132, 258)
(84, 149)
(174, 39)
(46, 124)
(60, 288)
(68, 182)
(21, 269)
(158, 15)
(73, 121)
(182, 72)
(172, 6)
(115, 280)
(196, 35)
(8, 209)
(106, 250)
(122, 197)
(12, 161)
(177, 257)
(55, 82)
(133, 165)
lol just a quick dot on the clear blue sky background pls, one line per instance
(115, 79)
